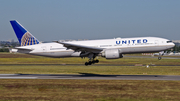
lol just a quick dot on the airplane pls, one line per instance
(107, 48)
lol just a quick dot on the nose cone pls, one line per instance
(172, 45)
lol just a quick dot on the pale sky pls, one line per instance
(50, 20)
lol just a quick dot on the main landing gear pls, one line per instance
(91, 62)
(91, 57)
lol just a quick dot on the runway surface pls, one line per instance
(80, 65)
(89, 76)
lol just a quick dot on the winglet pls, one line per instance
(25, 38)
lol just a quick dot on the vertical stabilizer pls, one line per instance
(25, 38)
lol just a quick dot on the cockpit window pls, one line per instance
(169, 41)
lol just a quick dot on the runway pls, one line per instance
(89, 76)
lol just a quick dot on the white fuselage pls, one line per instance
(125, 45)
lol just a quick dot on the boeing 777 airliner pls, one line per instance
(108, 48)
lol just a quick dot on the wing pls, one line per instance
(81, 48)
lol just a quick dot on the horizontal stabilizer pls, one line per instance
(20, 48)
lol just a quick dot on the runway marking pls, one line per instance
(18, 77)
(7, 74)
(90, 76)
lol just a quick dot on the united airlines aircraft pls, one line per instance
(107, 48)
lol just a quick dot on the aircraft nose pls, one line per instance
(173, 44)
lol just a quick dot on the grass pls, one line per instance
(89, 90)
(6, 58)
(77, 69)
(29, 64)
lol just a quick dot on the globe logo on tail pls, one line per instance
(28, 39)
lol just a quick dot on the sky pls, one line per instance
(50, 20)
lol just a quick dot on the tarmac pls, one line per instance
(89, 76)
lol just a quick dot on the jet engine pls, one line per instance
(112, 54)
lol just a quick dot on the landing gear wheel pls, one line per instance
(86, 63)
(96, 61)
(91, 62)
(159, 58)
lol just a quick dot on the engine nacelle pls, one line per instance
(112, 54)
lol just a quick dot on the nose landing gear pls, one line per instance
(160, 54)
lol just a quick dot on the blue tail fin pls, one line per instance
(25, 38)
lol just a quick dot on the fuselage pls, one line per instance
(125, 45)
